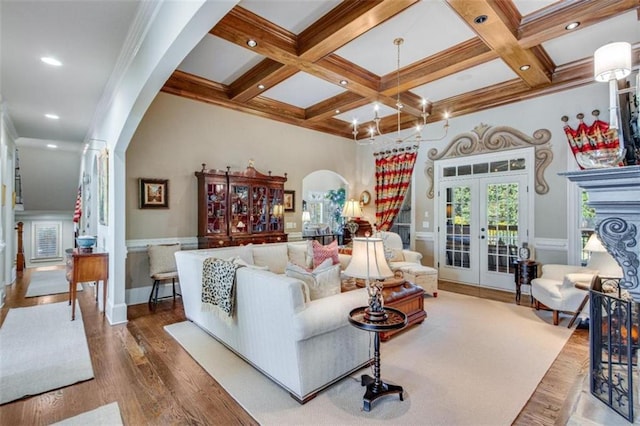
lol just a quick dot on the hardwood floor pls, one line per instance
(156, 382)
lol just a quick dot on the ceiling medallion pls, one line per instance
(417, 136)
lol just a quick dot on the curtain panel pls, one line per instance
(393, 176)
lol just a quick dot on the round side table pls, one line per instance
(375, 386)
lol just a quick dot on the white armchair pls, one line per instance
(398, 255)
(556, 288)
(408, 262)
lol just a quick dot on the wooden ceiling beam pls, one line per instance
(193, 87)
(344, 23)
(497, 33)
(345, 101)
(279, 45)
(550, 22)
(267, 72)
(455, 59)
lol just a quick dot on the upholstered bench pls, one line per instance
(423, 276)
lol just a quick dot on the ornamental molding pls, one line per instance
(620, 239)
(485, 139)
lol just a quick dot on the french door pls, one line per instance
(483, 220)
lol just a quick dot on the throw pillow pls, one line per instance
(298, 254)
(272, 255)
(162, 258)
(322, 282)
(397, 255)
(321, 253)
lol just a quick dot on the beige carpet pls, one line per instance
(107, 415)
(472, 362)
(41, 349)
(44, 282)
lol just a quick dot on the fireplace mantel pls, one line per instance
(614, 194)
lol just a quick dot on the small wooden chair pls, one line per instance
(162, 267)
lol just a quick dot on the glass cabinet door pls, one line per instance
(276, 201)
(239, 220)
(259, 209)
(216, 208)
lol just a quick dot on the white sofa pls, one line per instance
(302, 346)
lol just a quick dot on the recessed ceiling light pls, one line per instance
(51, 61)
(480, 19)
(572, 26)
(50, 145)
(52, 116)
(337, 111)
(261, 86)
(525, 67)
(252, 43)
(343, 82)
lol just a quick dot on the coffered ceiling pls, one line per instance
(323, 64)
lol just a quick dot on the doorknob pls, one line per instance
(482, 229)
(482, 237)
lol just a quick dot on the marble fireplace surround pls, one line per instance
(614, 193)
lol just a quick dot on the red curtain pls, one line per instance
(393, 176)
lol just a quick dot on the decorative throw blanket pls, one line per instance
(219, 285)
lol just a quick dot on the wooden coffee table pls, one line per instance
(399, 294)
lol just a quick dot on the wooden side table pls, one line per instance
(83, 267)
(375, 386)
(525, 271)
(399, 294)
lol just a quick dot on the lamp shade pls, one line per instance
(352, 209)
(594, 244)
(306, 216)
(367, 260)
(612, 61)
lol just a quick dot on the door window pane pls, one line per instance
(458, 214)
(502, 226)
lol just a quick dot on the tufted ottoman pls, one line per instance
(423, 276)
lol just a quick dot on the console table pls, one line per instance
(375, 386)
(83, 267)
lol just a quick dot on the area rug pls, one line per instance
(106, 415)
(47, 282)
(472, 362)
(42, 349)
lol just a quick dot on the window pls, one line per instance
(47, 242)
(402, 223)
(587, 225)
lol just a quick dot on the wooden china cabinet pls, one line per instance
(236, 208)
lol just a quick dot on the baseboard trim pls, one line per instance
(138, 295)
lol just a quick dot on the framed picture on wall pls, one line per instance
(289, 201)
(153, 193)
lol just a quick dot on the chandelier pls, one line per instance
(374, 130)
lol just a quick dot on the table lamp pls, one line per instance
(352, 210)
(601, 260)
(306, 216)
(368, 263)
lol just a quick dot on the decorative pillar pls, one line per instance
(614, 193)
